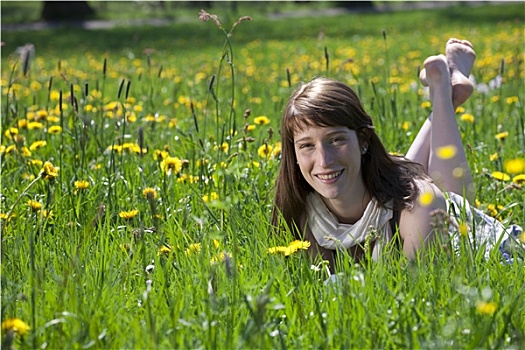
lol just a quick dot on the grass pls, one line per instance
(173, 109)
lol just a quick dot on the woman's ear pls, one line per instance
(364, 147)
(364, 137)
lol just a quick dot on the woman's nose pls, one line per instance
(325, 156)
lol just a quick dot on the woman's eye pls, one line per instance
(305, 145)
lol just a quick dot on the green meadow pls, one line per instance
(137, 172)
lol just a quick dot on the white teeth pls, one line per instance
(329, 176)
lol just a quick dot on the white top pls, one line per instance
(331, 234)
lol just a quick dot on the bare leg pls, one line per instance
(441, 129)
(449, 173)
(460, 58)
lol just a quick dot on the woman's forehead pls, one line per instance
(320, 131)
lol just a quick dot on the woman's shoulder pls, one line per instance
(429, 196)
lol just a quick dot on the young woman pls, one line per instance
(339, 188)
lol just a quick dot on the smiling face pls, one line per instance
(330, 161)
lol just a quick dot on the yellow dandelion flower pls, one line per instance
(164, 250)
(426, 104)
(34, 125)
(16, 326)
(460, 110)
(116, 148)
(494, 99)
(55, 129)
(216, 243)
(446, 152)
(27, 176)
(48, 171)
(224, 147)
(9, 149)
(249, 127)
(467, 118)
(173, 123)
(426, 198)
(131, 117)
(6, 217)
(158, 154)
(498, 175)
(9, 133)
(46, 214)
(511, 100)
(35, 85)
(188, 178)
(521, 238)
(291, 248)
(34, 205)
(486, 308)
(112, 106)
(515, 166)
(22, 123)
(493, 157)
(41, 115)
(277, 150)
(491, 208)
(261, 120)
(265, 151)
(128, 215)
(463, 229)
(502, 135)
(193, 248)
(149, 193)
(519, 179)
(211, 197)
(37, 145)
(171, 165)
(25, 152)
(81, 184)
(405, 126)
(297, 244)
(278, 249)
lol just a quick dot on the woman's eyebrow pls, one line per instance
(302, 139)
(328, 134)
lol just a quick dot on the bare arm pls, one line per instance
(415, 225)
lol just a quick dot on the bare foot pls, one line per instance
(437, 76)
(460, 57)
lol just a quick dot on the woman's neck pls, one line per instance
(349, 210)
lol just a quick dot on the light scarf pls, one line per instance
(331, 234)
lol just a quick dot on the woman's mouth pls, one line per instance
(330, 176)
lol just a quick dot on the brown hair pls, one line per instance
(327, 102)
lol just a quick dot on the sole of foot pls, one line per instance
(460, 56)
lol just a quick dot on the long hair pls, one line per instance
(326, 102)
